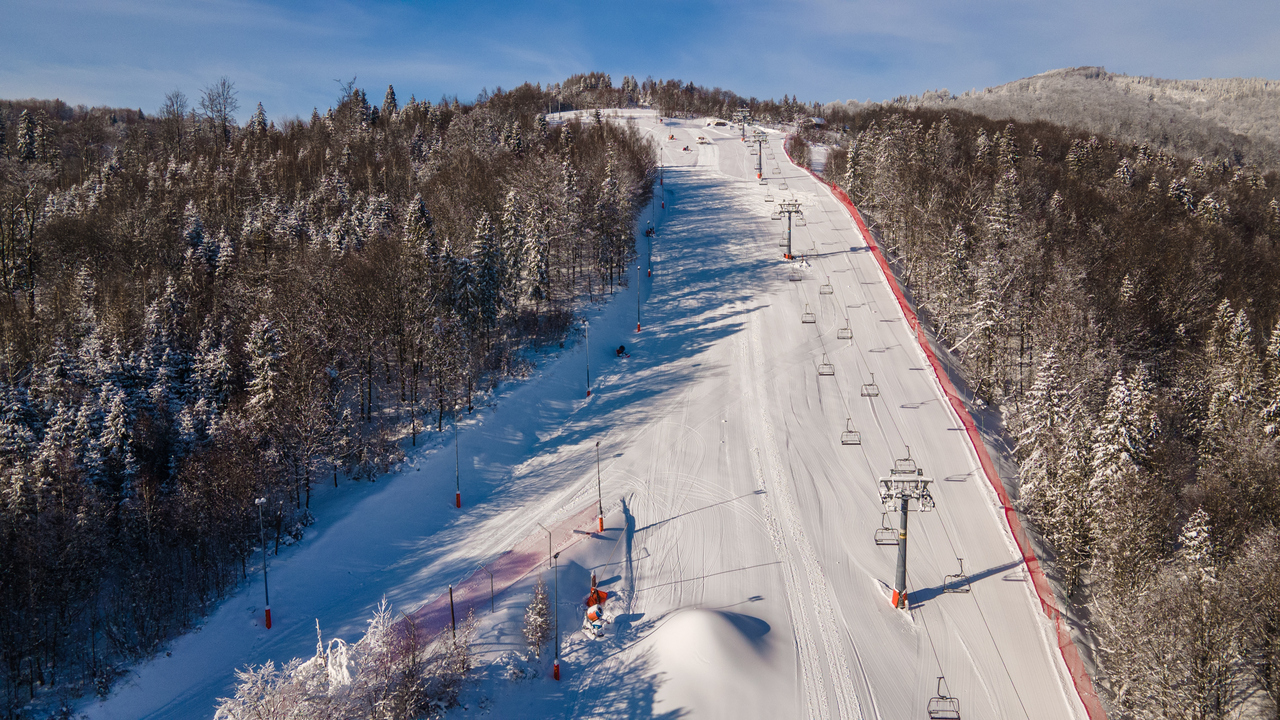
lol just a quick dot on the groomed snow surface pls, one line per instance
(738, 543)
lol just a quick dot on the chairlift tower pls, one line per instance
(905, 482)
(741, 116)
(788, 208)
(760, 139)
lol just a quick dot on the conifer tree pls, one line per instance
(265, 356)
(389, 105)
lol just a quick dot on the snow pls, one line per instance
(738, 540)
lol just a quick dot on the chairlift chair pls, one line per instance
(800, 221)
(886, 535)
(795, 276)
(782, 241)
(775, 215)
(850, 436)
(846, 332)
(807, 317)
(871, 389)
(825, 367)
(943, 706)
(825, 288)
(763, 181)
(782, 185)
(958, 583)
(777, 170)
(768, 196)
(906, 465)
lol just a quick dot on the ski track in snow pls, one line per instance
(723, 443)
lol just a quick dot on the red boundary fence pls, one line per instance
(1048, 603)
(508, 569)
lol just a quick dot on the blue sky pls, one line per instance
(287, 53)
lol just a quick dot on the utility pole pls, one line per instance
(788, 208)
(262, 539)
(599, 492)
(905, 483)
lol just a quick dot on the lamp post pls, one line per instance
(599, 492)
(262, 538)
(556, 666)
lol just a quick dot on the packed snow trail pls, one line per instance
(743, 557)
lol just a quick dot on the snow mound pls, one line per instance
(716, 664)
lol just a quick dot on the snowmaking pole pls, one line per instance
(599, 492)
(556, 670)
(637, 298)
(586, 325)
(905, 483)
(262, 538)
(457, 466)
(544, 528)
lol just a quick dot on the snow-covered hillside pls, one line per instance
(739, 530)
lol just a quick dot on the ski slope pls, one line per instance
(739, 529)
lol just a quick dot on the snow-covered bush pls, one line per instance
(396, 672)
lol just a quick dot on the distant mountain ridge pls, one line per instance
(1237, 119)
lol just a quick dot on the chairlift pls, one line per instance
(906, 466)
(885, 534)
(825, 368)
(783, 241)
(871, 389)
(775, 215)
(825, 288)
(800, 221)
(943, 706)
(782, 185)
(768, 196)
(777, 170)
(958, 583)
(807, 317)
(850, 436)
(846, 332)
(795, 276)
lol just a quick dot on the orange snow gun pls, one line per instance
(597, 597)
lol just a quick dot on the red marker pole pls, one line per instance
(637, 298)
(457, 466)
(587, 329)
